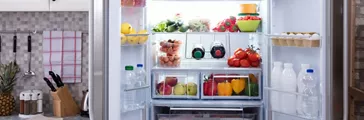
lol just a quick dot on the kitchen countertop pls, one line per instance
(16, 117)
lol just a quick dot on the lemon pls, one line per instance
(143, 39)
(123, 38)
(125, 28)
(132, 39)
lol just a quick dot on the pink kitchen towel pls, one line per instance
(62, 54)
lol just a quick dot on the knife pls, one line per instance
(60, 80)
(50, 84)
(55, 79)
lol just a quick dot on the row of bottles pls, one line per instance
(134, 78)
(287, 80)
(217, 51)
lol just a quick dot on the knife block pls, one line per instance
(63, 103)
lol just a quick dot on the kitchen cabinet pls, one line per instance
(24, 5)
(69, 5)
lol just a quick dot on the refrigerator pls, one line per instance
(108, 58)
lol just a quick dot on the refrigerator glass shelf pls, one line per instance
(133, 109)
(206, 33)
(207, 103)
(204, 68)
(137, 88)
(295, 115)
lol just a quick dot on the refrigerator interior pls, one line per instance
(277, 15)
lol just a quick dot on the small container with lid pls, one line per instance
(21, 103)
(27, 103)
(39, 101)
(33, 103)
(198, 52)
(275, 40)
(217, 50)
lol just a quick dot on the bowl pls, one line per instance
(248, 25)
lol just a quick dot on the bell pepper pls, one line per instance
(209, 87)
(224, 89)
(238, 85)
(252, 89)
(253, 79)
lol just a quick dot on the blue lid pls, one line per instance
(139, 65)
(309, 70)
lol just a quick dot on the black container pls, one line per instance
(198, 52)
(217, 50)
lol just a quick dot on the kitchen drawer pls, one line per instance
(176, 85)
(206, 116)
(234, 85)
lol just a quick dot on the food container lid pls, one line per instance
(27, 96)
(251, 14)
(39, 94)
(21, 96)
(33, 96)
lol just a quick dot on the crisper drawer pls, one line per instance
(206, 116)
(176, 85)
(232, 85)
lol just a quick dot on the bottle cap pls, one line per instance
(288, 65)
(129, 67)
(21, 96)
(218, 53)
(309, 70)
(139, 65)
(39, 94)
(197, 54)
(277, 63)
(34, 96)
(26, 96)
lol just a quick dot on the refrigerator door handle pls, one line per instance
(207, 109)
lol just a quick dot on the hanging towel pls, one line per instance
(62, 54)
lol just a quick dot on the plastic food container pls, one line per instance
(170, 46)
(248, 25)
(248, 8)
(169, 60)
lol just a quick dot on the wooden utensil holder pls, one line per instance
(63, 103)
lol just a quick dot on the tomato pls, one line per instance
(247, 50)
(255, 64)
(240, 54)
(253, 56)
(244, 63)
(236, 62)
(230, 61)
(239, 49)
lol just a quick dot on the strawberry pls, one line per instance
(227, 23)
(233, 19)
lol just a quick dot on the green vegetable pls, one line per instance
(172, 28)
(183, 28)
(252, 89)
(170, 22)
(160, 27)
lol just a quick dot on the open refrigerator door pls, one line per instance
(214, 59)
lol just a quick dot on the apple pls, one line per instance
(164, 89)
(171, 81)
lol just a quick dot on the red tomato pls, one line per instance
(239, 49)
(253, 57)
(244, 63)
(230, 61)
(255, 64)
(240, 54)
(236, 62)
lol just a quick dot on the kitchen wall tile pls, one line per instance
(41, 21)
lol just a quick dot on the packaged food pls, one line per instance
(169, 60)
(298, 41)
(170, 46)
(290, 41)
(199, 25)
(314, 41)
(283, 40)
(275, 40)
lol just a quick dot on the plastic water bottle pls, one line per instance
(289, 84)
(310, 101)
(300, 87)
(129, 96)
(275, 84)
(140, 76)
(140, 81)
